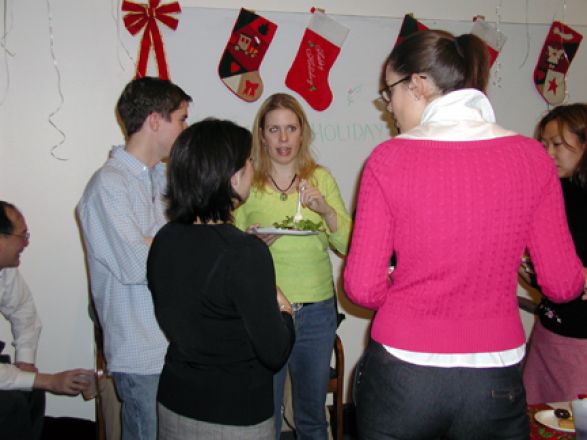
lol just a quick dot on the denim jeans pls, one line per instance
(309, 367)
(138, 394)
(396, 400)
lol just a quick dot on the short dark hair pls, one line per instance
(203, 159)
(6, 226)
(574, 118)
(453, 63)
(147, 95)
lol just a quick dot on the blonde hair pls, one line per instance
(305, 163)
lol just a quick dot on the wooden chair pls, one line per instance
(527, 305)
(336, 387)
(107, 405)
(336, 382)
(100, 365)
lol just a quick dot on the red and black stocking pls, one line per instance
(555, 58)
(246, 47)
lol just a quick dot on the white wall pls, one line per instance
(92, 60)
(510, 11)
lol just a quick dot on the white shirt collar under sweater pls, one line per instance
(462, 115)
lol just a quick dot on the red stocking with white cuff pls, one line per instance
(318, 51)
(493, 38)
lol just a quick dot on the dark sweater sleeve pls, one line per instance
(253, 289)
(559, 271)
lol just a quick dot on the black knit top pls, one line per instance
(569, 319)
(214, 294)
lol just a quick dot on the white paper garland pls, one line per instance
(527, 27)
(61, 98)
(116, 16)
(5, 50)
(497, 68)
(566, 100)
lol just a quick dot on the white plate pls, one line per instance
(279, 231)
(547, 418)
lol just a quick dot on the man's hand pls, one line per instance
(70, 382)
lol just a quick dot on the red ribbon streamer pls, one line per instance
(144, 16)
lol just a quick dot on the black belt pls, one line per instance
(4, 358)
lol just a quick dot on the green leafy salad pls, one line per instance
(302, 225)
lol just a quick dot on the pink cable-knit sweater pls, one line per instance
(458, 215)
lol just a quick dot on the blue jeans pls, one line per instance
(309, 367)
(396, 400)
(138, 394)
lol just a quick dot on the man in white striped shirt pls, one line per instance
(120, 212)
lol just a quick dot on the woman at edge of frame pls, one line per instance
(555, 363)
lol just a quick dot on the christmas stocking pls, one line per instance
(557, 53)
(493, 38)
(318, 50)
(246, 47)
(409, 26)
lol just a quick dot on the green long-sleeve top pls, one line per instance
(302, 264)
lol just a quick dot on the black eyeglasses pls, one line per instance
(26, 236)
(386, 91)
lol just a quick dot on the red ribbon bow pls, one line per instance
(141, 15)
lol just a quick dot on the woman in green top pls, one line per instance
(284, 171)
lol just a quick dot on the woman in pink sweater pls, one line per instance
(457, 199)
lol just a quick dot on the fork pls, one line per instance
(298, 217)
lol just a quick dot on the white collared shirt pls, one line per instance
(18, 307)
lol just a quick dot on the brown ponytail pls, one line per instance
(453, 63)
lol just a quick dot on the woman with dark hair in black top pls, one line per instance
(215, 297)
(555, 365)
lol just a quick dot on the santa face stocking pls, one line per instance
(409, 26)
(557, 53)
(318, 50)
(246, 47)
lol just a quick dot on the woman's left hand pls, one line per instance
(268, 239)
(313, 199)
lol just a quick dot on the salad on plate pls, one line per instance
(302, 225)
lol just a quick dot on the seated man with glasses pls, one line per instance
(22, 399)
